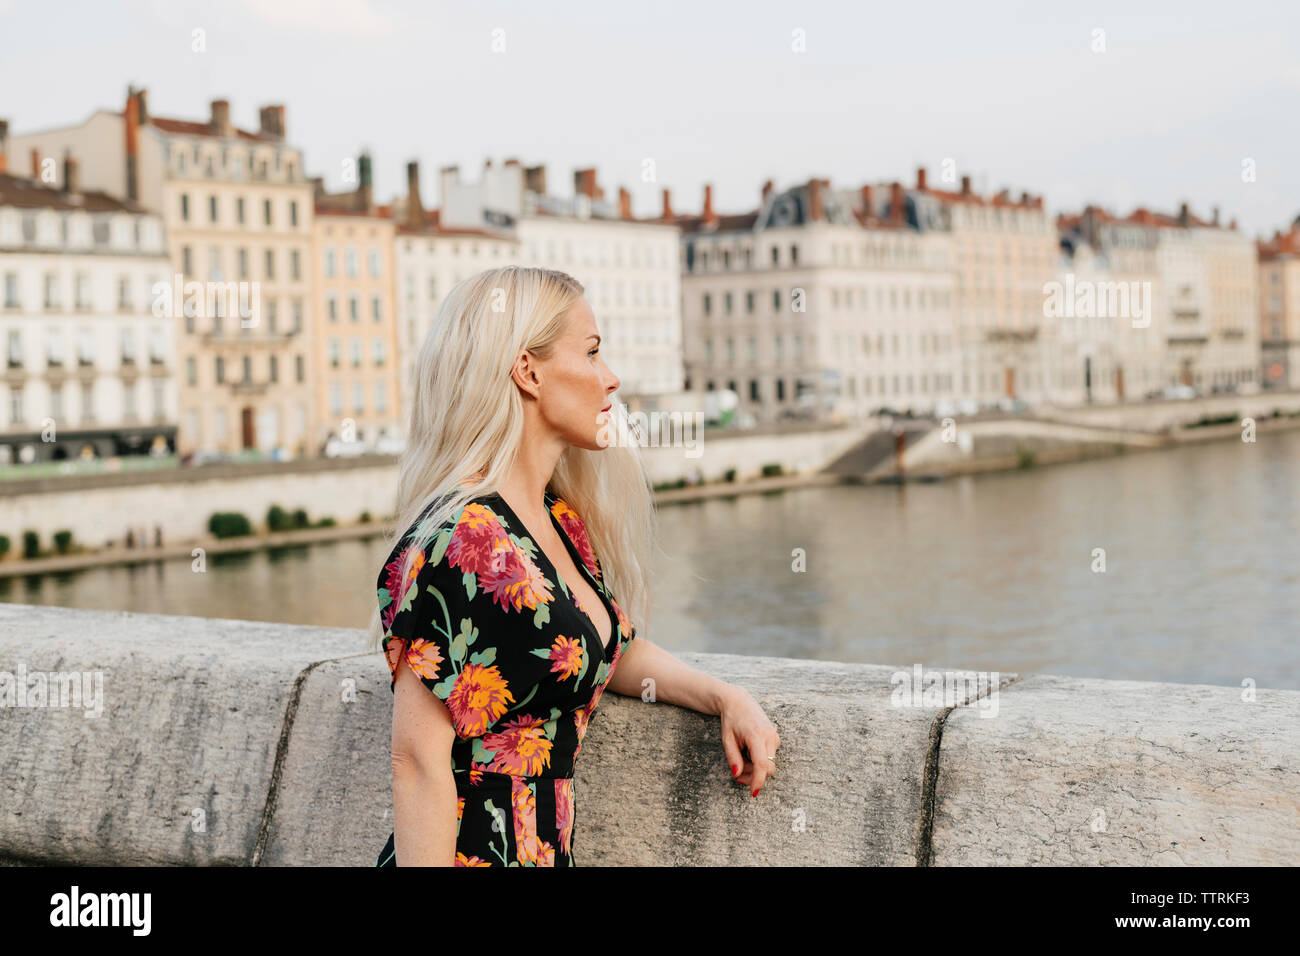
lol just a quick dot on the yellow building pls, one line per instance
(1279, 309)
(357, 395)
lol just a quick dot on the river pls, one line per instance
(993, 573)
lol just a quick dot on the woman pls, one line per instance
(493, 598)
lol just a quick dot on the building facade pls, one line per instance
(355, 324)
(238, 213)
(89, 371)
(1279, 309)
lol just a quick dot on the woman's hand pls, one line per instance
(749, 739)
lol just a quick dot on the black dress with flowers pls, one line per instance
(489, 626)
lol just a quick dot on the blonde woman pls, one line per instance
(522, 515)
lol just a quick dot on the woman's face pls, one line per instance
(576, 384)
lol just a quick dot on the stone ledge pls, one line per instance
(277, 736)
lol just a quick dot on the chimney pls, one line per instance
(624, 203)
(1215, 220)
(1233, 225)
(365, 186)
(1024, 199)
(4, 146)
(708, 216)
(815, 200)
(668, 208)
(510, 162)
(535, 179)
(869, 202)
(71, 178)
(219, 124)
(920, 178)
(965, 185)
(1184, 217)
(131, 121)
(414, 211)
(142, 108)
(767, 189)
(1038, 202)
(584, 184)
(896, 203)
(272, 121)
(36, 163)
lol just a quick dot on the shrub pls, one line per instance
(730, 474)
(277, 519)
(773, 468)
(300, 519)
(365, 517)
(31, 544)
(63, 541)
(229, 524)
(326, 522)
(1025, 458)
(4, 545)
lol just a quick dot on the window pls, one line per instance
(185, 207)
(355, 349)
(376, 310)
(299, 367)
(381, 398)
(124, 292)
(708, 304)
(56, 401)
(332, 304)
(15, 348)
(15, 404)
(220, 370)
(82, 288)
(214, 264)
(293, 212)
(187, 260)
(191, 371)
(295, 264)
(334, 353)
(354, 308)
(336, 399)
(128, 347)
(239, 210)
(266, 211)
(243, 263)
(212, 209)
(350, 262)
(248, 368)
(297, 315)
(358, 397)
(274, 371)
(377, 353)
(11, 290)
(329, 262)
(270, 263)
(375, 264)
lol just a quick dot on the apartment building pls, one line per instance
(353, 317)
(89, 371)
(821, 303)
(1279, 309)
(238, 213)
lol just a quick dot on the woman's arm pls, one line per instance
(424, 788)
(749, 739)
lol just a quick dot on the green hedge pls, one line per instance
(229, 524)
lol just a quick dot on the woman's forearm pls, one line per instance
(424, 816)
(671, 679)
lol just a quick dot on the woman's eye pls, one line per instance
(593, 351)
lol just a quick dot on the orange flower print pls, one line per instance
(424, 658)
(521, 747)
(624, 625)
(460, 809)
(501, 567)
(463, 860)
(478, 699)
(566, 657)
(397, 584)
(564, 812)
(577, 531)
(530, 849)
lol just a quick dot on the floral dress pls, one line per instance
(489, 626)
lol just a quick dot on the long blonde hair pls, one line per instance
(467, 418)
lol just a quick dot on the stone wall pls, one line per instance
(225, 742)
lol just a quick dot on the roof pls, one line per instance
(1138, 217)
(1283, 245)
(187, 128)
(26, 193)
(432, 227)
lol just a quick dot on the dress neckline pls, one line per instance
(607, 651)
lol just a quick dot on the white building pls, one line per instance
(238, 209)
(629, 267)
(818, 305)
(90, 371)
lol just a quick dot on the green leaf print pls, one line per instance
(527, 545)
(542, 615)
(484, 657)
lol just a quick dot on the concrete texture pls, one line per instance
(275, 738)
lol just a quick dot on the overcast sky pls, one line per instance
(715, 92)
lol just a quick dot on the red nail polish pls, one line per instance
(754, 794)
(734, 770)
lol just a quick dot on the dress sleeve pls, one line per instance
(430, 623)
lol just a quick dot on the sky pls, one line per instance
(1118, 104)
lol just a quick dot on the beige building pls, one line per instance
(1279, 309)
(238, 211)
(354, 319)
